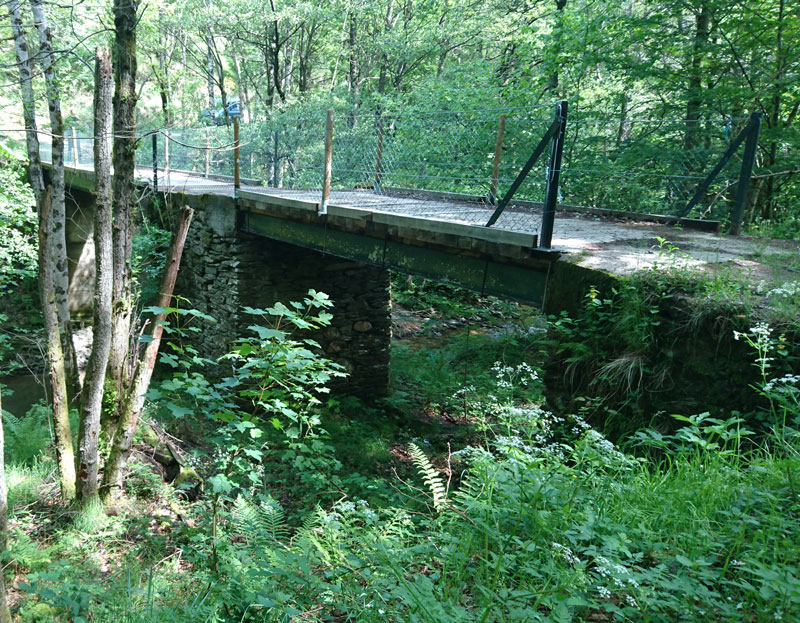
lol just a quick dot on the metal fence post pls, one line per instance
(498, 151)
(746, 172)
(328, 170)
(237, 181)
(155, 161)
(553, 174)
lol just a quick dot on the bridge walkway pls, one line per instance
(442, 235)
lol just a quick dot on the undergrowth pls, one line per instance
(527, 516)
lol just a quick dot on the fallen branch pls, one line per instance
(134, 400)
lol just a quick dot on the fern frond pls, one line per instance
(430, 477)
(26, 552)
(26, 437)
(261, 524)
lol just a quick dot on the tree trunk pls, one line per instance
(92, 398)
(241, 86)
(210, 76)
(162, 91)
(275, 48)
(694, 102)
(54, 352)
(123, 158)
(28, 105)
(775, 114)
(65, 455)
(134, 400)
(58, 236)
(560, 5)
(5, 614)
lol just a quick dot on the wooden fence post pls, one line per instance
(326, 174)
(208, 154)
(155, 162)
(498, 149)
(379, 153)
(76, 157)
(166, 151)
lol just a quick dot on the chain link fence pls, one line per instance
(451, 165)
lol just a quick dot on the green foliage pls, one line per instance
(150, 248)
(447, 376)
(19, 312)
(264, 418)
(63, 592)
(548, 520)
(551, 523)
(262, 523)
(18, 223)
(609, 350)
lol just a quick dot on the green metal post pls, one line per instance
(553, 174)
(746, 172)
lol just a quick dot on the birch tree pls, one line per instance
(59, 216)
(47, 290)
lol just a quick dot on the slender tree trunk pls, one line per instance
(624, 127)
(123, 158)
(694, 102)
(65, 455)
(28, 102)
(54, 352)
(162, 91)
(134, 400)
(560, 5)
(288, 66)
(775, 114)
(92, 398)
(59, 215)
(353, 68)
(163, 78)
(5, 614)
(241, 85)
(276, 56)
(210, 70)
(268, 66)
(382, 73)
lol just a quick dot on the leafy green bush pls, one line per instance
(18, 240)
(149, 257)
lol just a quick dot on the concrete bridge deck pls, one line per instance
(442, 235)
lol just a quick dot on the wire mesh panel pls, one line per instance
(403, 157)
(648, 165)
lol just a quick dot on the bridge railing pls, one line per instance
(473, 156)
